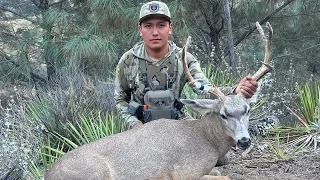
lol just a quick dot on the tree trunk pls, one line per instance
(253, 28)
(47, 38)
(232, 62)
(215, 24)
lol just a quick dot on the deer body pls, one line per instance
(177, 149)
(168, 149)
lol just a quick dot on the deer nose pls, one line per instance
(244, 143)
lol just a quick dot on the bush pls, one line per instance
(71, 95)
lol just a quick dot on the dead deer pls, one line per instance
(167, 149)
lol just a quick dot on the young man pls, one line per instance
(151, 74)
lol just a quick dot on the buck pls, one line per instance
(168, 149)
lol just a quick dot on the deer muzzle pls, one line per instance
(244, 143)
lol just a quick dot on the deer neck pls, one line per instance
(215, 132)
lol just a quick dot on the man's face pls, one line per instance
(155, 32)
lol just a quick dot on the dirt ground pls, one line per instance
(261, 164)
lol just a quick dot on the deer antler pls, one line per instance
(265, 67)
(263, 70)
(185, 63)
(213, 90)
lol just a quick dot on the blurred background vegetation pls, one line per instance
(58, 59)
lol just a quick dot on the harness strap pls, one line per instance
(143, 65)
(171, 76)
(170, 79)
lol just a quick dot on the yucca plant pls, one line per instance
(309, 106)
(281, 151)
(307, 135)
(309, 102)
(48, 156)
(307, 132)
(90, 128)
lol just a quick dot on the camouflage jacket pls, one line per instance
(129, 80)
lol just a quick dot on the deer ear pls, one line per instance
(201, 106)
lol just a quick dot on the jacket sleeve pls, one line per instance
(199, 76)
(123, 92)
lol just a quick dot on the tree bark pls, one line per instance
(50, 63)
(215, 24)
(232, 67)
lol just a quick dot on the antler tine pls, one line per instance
(213, 90)
(185, 63)
(216, 91)
(265, 67)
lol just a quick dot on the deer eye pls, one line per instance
(223, 116)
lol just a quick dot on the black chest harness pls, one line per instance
(170, 78)
(160, 101)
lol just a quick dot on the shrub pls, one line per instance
(89, 129)
(71, 95)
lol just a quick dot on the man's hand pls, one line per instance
(247, 86)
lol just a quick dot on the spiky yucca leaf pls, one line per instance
(280, 150)
(93, 127)
(48, 156)
(35, 170)
(309, 101)
(89, 129)
(306, 136)
(309, 134)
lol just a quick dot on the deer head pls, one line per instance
(234, 110)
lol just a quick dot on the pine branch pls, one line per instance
(253, 28)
